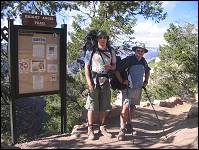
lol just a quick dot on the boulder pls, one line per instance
(178, 101)
(193, 112)
(173, 98)
(30, 115)
(6, 146)
(167, 104)
(163, 104)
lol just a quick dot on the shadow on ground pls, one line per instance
(149, 133)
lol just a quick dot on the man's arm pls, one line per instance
(113, 65)
(147, 73)
(88, 77)
(119, 77)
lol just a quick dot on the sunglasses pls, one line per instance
(141, 51)
(102, 37)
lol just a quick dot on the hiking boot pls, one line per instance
(91, 135)
(121, 134)
(104, 132)
(128, 128)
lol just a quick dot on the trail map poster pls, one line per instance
(38, 61)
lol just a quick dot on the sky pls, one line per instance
(147, 31)
(178, 12)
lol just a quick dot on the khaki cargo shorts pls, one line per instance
(134, 94)
(99, 100)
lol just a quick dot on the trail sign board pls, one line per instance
(38, 20)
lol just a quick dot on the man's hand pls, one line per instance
(91, 87)
(145, 83)
(125, 82)
(107, 67)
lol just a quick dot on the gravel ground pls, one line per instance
(181, 132)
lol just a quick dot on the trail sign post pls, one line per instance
(37, 57)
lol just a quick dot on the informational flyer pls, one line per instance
(38, 39)
(24, 65)
(52, 68)
(38, 51)
(38, 81)
(38, 65)
(51, 51)
(52, 77)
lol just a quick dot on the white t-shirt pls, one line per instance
(98, 61)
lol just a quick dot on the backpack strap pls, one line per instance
(90, 63)
(110, 51)
(94, 74)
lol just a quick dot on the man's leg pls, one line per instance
(123, 120)
(105, 108)
(128, 124)
(124, 116)
(91, 106)
(103, 122)
(102, 118)
(90, 116)
(135, 94)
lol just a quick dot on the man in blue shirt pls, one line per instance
(137, 68)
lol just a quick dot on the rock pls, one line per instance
(189, 99)
(146, 105)
(178, 101)
(170, 104)
(174, 98)
(196, 96)
(6, 146)
(163, 104)
(195, 143)
(193, 112)
(30, 115)
(157, 102)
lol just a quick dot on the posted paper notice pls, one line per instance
(38, 82)
(38, 65)
(24, 66)
(51, 51)
(38, 51)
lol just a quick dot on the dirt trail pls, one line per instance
(181, 132)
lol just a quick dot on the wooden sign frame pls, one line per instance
(31, 32)
(13, 49)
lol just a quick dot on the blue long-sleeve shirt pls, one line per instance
(135, 68)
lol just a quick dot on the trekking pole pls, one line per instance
(154, 110)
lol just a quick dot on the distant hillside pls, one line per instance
(152, 53)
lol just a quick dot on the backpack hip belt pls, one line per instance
(97, 75)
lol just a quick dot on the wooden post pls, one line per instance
(12, 58)
(63, 60)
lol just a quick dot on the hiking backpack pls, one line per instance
(90, 41)
(114, 82)
(90, 44)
